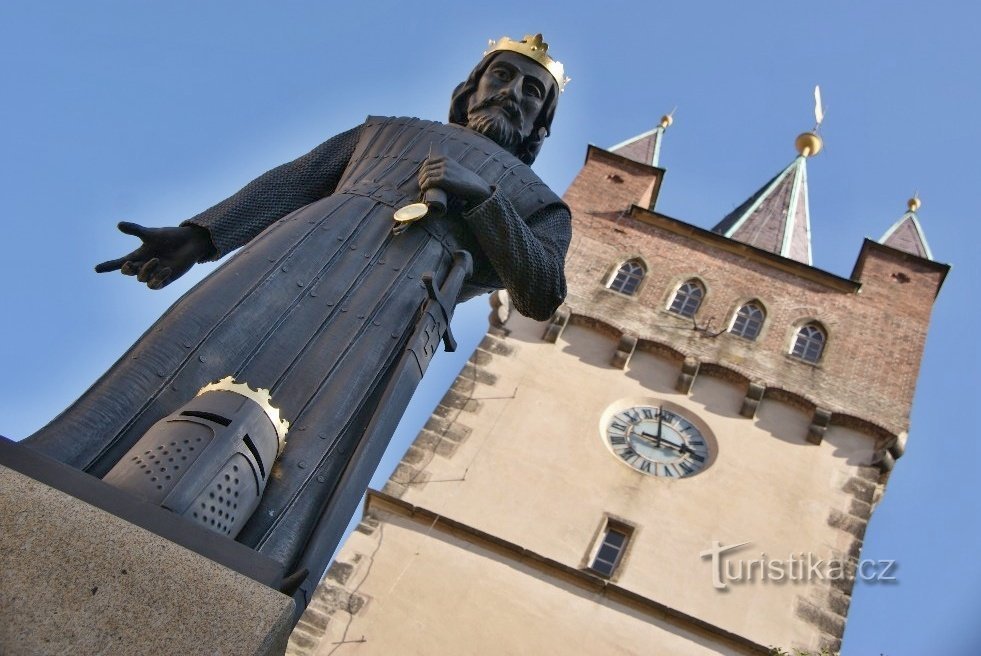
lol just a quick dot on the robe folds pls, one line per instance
(319, 303)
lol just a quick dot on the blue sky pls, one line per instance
(150, 112)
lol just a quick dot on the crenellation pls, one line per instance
(860, 509)
(848, 523)
(829, 622)
(496, 345)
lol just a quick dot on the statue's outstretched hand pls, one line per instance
(166, 253)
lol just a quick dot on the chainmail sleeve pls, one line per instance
(239, 218)
(527, 255)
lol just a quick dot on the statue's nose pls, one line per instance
(512, 88)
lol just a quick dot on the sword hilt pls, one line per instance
(445, 297)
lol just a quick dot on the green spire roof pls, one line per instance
(776, 218)
(907, 234)
(644, 148)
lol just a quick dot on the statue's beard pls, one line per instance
(495, 123)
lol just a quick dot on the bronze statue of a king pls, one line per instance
(326, 303)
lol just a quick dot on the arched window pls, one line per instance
(687, 299)
(809, 343)
(748, 321)
(628, 277)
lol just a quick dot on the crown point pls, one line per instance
(808, 144)
(261, 396)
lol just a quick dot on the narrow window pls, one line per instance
(748, 321)
(610, 550)
(628, 278)
(809, 343)
(688, 298)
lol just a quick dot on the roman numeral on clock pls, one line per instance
(627, 453)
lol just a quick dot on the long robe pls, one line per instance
(319, 304)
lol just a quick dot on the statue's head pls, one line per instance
(511, 95)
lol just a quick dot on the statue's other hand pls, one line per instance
(455, 179)
(165, 255)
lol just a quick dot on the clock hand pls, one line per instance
(660, 440)
(659, 420)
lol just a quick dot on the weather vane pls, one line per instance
(819, 109)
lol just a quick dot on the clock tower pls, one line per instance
(683, 460)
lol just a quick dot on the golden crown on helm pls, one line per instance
(533, 47)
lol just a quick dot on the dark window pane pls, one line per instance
(628, 278)
(603, 568)
(615, 538)
(608, 553)
(611, 548)
(748, 322)
(809, 343)
(687, 299)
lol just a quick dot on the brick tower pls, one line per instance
(639, 474)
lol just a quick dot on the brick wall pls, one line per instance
(876, 333)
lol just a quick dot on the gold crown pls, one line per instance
(532, 47)
(260, 396)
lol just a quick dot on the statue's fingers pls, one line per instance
(147, 270)
(130, 267)
(160, 278)
(110, 265)
(134, 229)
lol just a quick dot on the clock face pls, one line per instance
(657, 441)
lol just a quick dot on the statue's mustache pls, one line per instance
(511, 108)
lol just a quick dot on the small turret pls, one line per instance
(907, 234)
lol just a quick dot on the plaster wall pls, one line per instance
(536, 471)
(425, 592)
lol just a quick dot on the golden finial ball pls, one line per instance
(808, 144)
(913, 203)
(666, 121)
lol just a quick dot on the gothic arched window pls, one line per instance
(748, 321)
(628, 277)
(809, 343)
(687, 298)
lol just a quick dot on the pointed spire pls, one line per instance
(645, 148)
(777, 218)
(907, 234)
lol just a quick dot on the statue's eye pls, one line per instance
(533, 90)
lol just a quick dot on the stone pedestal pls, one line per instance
(77, 579)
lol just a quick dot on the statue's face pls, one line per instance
(508, 99)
